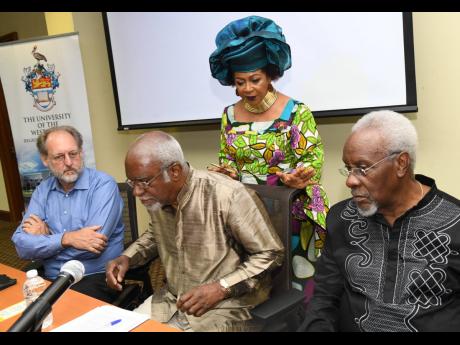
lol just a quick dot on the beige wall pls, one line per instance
(26, 24)
(3, 200)
(59, 22)
(437, 55)
(437, 51)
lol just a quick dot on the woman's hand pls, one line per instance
(224, 169)
(300, 178)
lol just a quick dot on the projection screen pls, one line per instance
(343, 63)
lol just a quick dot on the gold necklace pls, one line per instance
(269, 99)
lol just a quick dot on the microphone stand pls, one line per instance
(32, 318)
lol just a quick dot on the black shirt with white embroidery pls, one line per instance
(377, 278)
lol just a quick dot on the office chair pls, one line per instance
(284, 310)
(129, 214)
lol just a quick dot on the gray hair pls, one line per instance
(160, 146)
(398, 132)
(41, 140)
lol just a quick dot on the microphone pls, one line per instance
(32, 318)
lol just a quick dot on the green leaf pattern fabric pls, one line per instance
(257, 150)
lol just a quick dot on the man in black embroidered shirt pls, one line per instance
(391, 260)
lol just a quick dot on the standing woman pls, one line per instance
(268, 137)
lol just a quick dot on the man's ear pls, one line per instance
(176, 172)
(403, 164)
(44, 160)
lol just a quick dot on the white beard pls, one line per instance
(68, 178)
(373, 208)
(153, 208)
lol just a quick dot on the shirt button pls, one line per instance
(65, 229)
(67, 195)
(65, 212)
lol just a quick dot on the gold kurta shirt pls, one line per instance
(219, 230)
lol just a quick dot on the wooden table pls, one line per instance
(69, 306)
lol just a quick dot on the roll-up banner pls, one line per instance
(44, 87)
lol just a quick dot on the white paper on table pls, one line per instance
(99, 320)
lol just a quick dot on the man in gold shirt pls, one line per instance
(212, 234)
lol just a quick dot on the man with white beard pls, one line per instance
(213, 236)
(391, 259)
(75, 214)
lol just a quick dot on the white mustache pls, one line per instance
(356, 194)
(148, 199)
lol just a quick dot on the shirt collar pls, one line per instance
(186, 190)
(427, 181)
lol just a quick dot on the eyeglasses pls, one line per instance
(61, 157)
(361, 171)
(143, 184)
(146, 184)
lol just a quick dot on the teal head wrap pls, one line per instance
(246, 45)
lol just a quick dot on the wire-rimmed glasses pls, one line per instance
(146, 184)
(143, 184)
(61, 157)
(363, 171)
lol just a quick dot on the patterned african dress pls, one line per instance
(257, 150)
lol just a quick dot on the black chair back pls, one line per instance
(278, 202)
(129, 214)
(283, 311)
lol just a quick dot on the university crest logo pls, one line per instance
(41, 82)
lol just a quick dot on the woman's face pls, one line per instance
(252, 86)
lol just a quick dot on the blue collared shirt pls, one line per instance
(94, 200)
